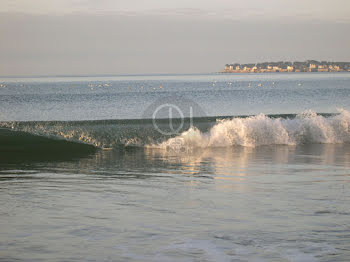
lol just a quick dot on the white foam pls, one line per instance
(307, 127)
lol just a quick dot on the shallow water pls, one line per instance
(282, 197)
(270, 203)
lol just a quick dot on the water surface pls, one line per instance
(80, 182)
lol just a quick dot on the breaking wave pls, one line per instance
(251, 131)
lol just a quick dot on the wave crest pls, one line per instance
(307, 127)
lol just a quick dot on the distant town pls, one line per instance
(272, 67)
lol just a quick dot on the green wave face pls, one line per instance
(19, 146)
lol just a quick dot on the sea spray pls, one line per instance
(307, 127)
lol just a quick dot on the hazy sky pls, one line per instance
(55, 37)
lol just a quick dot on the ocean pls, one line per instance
(207, 167)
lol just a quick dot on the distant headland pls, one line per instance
(282, 66)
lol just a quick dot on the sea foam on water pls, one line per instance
(307, 127)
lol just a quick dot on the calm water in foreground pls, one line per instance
(79, 182)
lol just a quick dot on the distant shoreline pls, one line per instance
(308, 66)
(293, 72)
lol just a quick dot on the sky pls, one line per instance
(94, 37)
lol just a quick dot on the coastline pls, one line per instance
(288, 67)
(271, 72)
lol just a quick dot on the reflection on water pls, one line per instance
(213, 162)
(273, 203)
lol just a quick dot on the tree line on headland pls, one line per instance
(283, 66)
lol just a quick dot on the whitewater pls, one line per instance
(307, 127)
